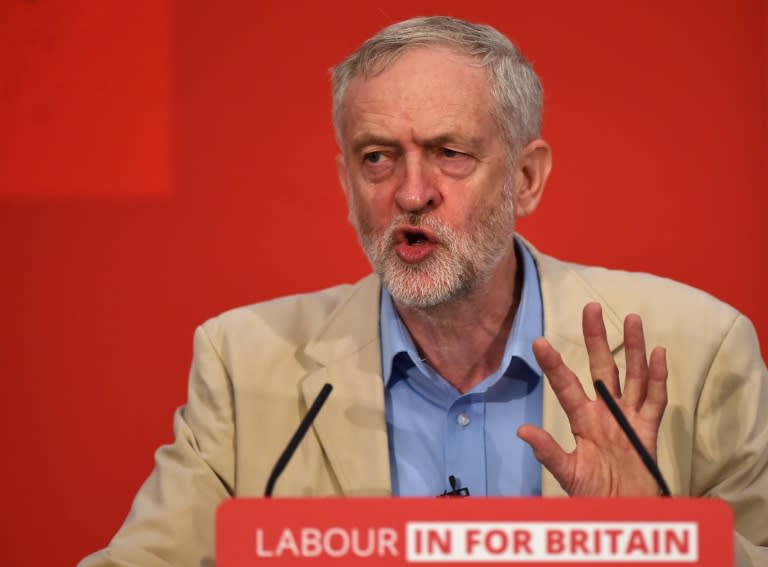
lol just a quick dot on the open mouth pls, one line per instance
(413, 244)
(415, 237)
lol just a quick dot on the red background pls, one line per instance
(163, 161)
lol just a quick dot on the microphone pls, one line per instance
(621, 419)
(297, 437)
(454, 492)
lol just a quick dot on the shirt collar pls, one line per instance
(395, 338)
(527, 326)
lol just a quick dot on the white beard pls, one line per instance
(460, 263)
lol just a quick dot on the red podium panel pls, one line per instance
(480, 531)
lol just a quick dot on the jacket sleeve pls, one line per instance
(731, 439)
(171, 522)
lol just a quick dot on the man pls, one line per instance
(439, 358)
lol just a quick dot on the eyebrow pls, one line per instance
(472, 143)
(372, 140)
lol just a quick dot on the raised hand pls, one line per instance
(604, 463)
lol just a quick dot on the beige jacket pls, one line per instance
(257, 368)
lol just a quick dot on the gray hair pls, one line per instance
(515, 88)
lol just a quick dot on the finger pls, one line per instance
(636, 383)
(564, 382)
(601, 363)
(548, 453)
(656, 397)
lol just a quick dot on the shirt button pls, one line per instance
(463, 419)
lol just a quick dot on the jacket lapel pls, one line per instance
(564, 294)
(352, 427)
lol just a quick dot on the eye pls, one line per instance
(455, 163)
(377, 165)
(449, 153)
(373, 157)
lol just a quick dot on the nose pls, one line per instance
(418, 190)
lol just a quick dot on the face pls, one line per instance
(427, 177)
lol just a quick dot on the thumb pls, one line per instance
(547, 452)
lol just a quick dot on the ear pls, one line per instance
(532, 169)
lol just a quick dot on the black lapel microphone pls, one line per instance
(297, 437)
(621, 419)
(454, 492)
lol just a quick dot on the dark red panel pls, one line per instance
(85, 99)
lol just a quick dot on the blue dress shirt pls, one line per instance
(434, 431)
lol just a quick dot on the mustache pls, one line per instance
(441, 231)
(442, 234)
(419, 220)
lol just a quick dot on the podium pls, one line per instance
(479, 531)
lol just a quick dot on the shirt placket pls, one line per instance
(464, 443)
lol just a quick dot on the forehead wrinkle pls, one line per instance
(405, 99)
(446, 124)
